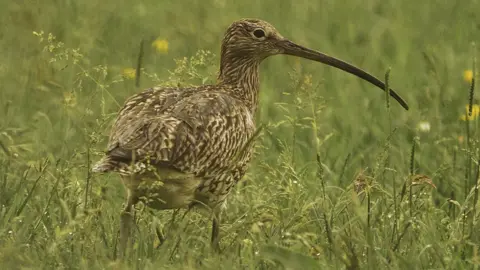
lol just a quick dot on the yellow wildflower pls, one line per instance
(474, 115)
(129, 73)
(161, 45)
(468, 75)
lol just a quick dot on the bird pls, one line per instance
(184, 147)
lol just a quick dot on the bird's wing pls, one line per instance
(198, 132)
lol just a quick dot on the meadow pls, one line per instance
(343, 178)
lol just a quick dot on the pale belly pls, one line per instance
(163, 192)
(176, 190)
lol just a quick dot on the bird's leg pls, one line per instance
(161, 236)
(215, 234)
(126, 222)
(216, 229)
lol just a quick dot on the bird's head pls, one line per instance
(254, 40)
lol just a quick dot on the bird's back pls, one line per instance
(198, 132)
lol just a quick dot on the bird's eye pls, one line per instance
(259, 33)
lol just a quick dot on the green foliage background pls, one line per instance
(296, 208)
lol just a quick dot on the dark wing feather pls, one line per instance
(199, 130)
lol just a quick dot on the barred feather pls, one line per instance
(202, 132)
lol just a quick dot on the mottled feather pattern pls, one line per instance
(195, 131)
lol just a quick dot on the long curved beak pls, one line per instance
(291, 48)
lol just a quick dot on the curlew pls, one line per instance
(181, 147)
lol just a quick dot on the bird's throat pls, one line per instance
(242, 75)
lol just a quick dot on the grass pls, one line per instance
(340, 179)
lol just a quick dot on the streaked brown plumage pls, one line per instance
(178, 147)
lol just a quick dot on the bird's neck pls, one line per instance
(242, 75)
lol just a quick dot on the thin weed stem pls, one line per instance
(139, 65)
(412, 171)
